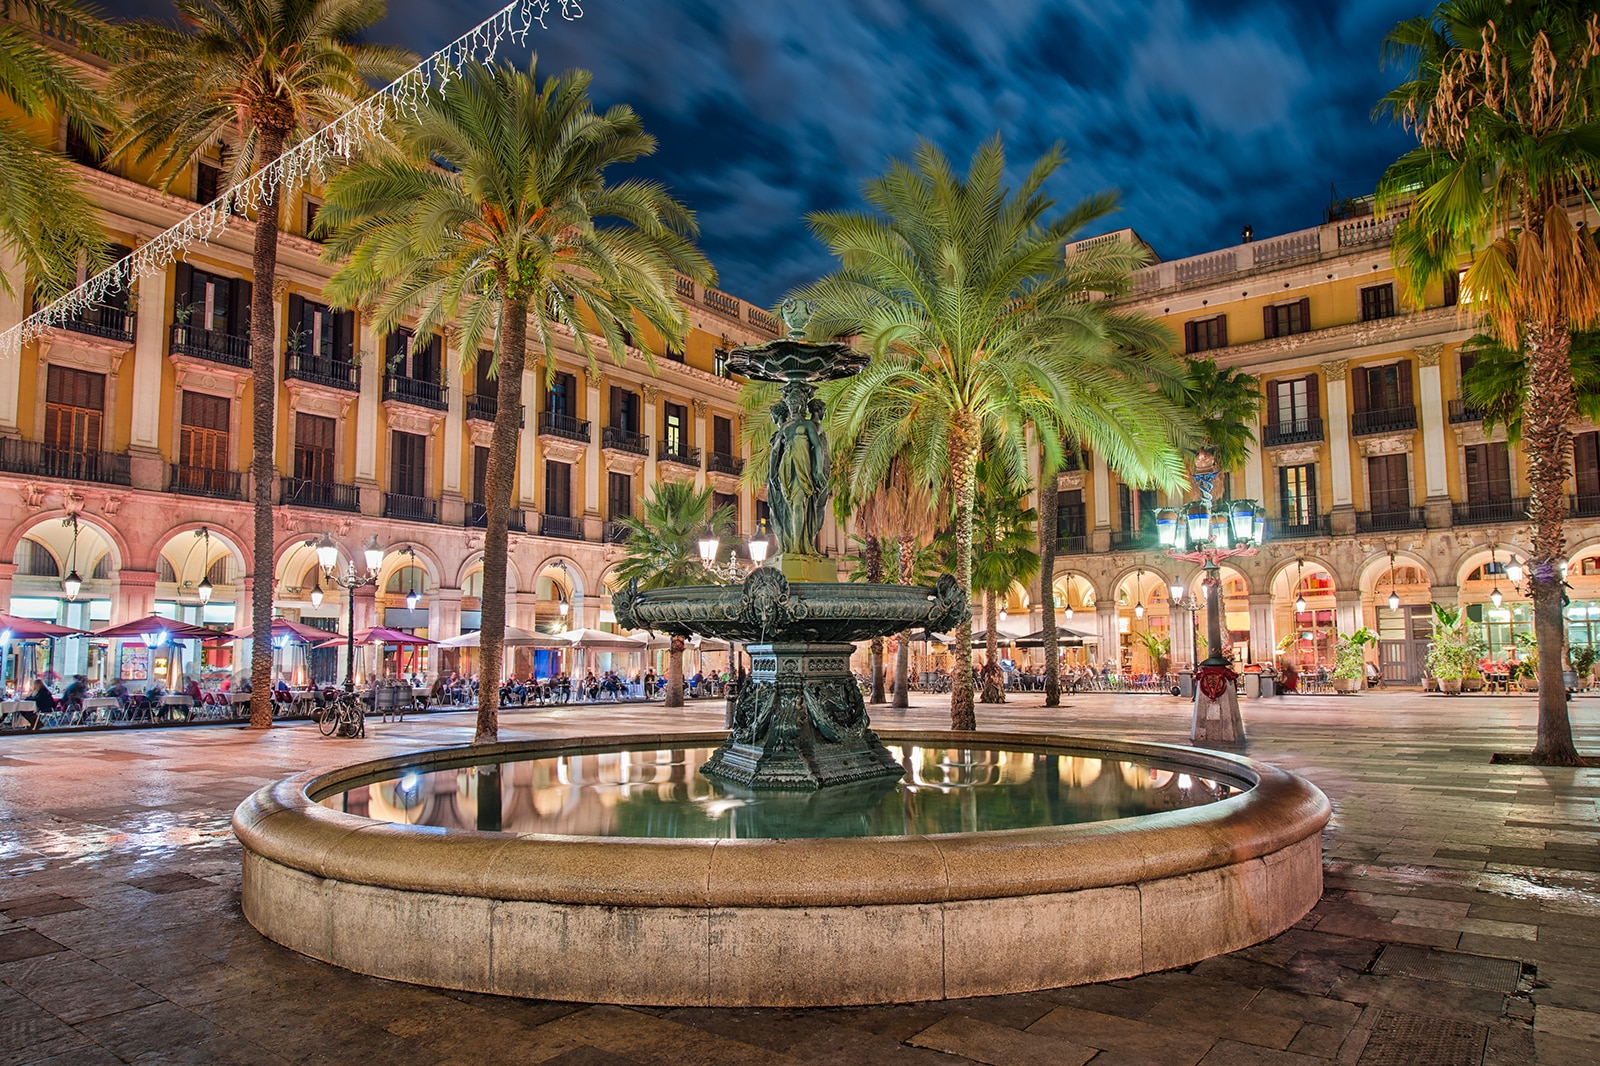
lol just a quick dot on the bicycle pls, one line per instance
(344, 717)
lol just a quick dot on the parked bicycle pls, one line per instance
(345, 716)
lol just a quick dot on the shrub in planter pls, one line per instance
(1457, 644)
(1350, 660)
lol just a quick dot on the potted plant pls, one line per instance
(1456, 645)
(1350, 660)
(1582, 664)
(1528, 667)
(1158, 648)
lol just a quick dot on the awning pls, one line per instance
(514, 638)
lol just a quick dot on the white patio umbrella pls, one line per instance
(515, 638)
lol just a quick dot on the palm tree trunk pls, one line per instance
(872, 556)
(902, 655)
(963, 452)
(1547, 411)
(497, 487)
(1049, 519)
(264, 394)
(992, 690)
(674, 673)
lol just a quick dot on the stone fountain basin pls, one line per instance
(823, 612)
(800, 922)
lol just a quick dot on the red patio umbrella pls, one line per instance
(174, 629)
(23, 629)
(283, 627)
(378, 635)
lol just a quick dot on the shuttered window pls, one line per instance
(619, 496)
(320, 333)
(74, 409)
(1070, 517)
(562, 399)
(720, 500)
(624, 411)
(1383, 388)
(1377, 301)
(1586, 463)
(1389, 483)
(212, 301)
(1283, 320)
(1292, 402)
(313, 447)
(676, 432)
(721, 435)
(558, 488)
(203, 438)
(408, 474)
(1297, 493)
(1488, 473)
(1205, 334)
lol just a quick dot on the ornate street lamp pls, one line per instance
(203, 590)
(1208, 532)
(1394, 595)
(1138, 595)
(1299, 593)
(328, 561)
(72, 583)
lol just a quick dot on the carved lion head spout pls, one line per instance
(623, 602)
(950, 606)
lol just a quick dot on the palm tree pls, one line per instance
(979, 328)
(268, 74)
(661, 552)
(46, 221)
(1002, 557)
(1504, 99)
(1497, 381)
(911, 510)
(1226, 400)
(1049, 538)
(487, 218)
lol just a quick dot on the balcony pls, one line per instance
(614, 533)
(416, 392)
(560, 525)
(719, 463)
(43, 460)
(110, 323)
(1072, 544)
(1395, 518)
(477, 517)
(342, 374)
(1293, 431)
(212, 345)
(554, 424)
(1482, 512)
(1125, 540)
(1312, 525)
(681, 454)
(624, 440)
(204, 481)
(1384, 420)
(410, 508)
(1583, 505)
(323, 495)
(1461, 411)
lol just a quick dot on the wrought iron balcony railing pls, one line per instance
(1383, 420)
(624, 440)
(410, 508)
(416, 392)
(1584, 505)
(1482, 512)
(682, 454)
(1393, 518)
(1298, 527)
(555, 424)
(1462, 411)
(1071, 543)
(614, 533)
(112, 323)
(720, 463)
(557, 525)
(74, 464)
(322, 370)
(325, 495)
(1292, 431)
(213, 345)
(205, 481)
(477, 517)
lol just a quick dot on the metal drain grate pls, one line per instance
(1476, 971)
(1400, 1039)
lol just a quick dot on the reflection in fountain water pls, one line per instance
(659, 793)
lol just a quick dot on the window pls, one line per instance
(624, 409)
(763, 515)
(675, 436)
(675, 354)
(1377, 301)
(1452, 288)
(1291, 403)
(408, 474)
(319, 334)
(34, 560)
(1202, 335)
(557, 488)
(480, 475)
(719, 362)
(1070, 517)
(719, 500)
(1283, 320)
(1488, 473)
(214, 302)
(1383, 388)
(562, 399)
(119, 299)
(312, 209)
(1388, 483)
(406, 358)
(314, 448)
(721, 435)
(619, 496)
(1297, 493)
(207, 183)
(74, 406)
(203, 438)
(1586, 463)
(1149, 500)
(79, 150)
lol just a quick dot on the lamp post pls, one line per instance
(328, 561)
(1208, 533)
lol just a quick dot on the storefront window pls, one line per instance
(1501, 626)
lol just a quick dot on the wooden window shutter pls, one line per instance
(183, 286)
(1477, 482)
(1272, 401)
(1499, 471)
(297, 322)
(239, 311)
(1403, 372)
(344, 335)
(1312, 507)
(1313, 401)
(1269, 321)
(1190, 342)
(1222, 331)
(1358, 388)
(1305, 314)
(1586, 456)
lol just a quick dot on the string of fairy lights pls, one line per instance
(312, 160)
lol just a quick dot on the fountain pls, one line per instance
(800, 722)
(807, 861)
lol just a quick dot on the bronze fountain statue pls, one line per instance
(800, 721)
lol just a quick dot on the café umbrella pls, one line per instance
(380, 635)
(293, 632)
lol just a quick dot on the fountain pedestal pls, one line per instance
(800, 723)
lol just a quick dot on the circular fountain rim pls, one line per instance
(284, 824)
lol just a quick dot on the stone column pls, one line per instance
(444, 619)
(149, 355)
(1182, 629)
(1100, 532)
(528, 458)
(703, 438)
(595, 382)
(1338, 425)
(1347, 610)
(652, 413)
(1105, 614)
(452, 507)
(1254, 476)
(11, 311)
(368, 403)
(1432, 412)
(134, 597)
(1446, 595)
(7, 571)
(1263, 635)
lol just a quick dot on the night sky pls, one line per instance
(1204, 114)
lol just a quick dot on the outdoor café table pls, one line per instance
(99, 710)
(171, 705)
(10, 709)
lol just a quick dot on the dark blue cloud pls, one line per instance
(1204, 114)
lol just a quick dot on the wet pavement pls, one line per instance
(1458, 926)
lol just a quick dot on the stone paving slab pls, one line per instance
(121, 939)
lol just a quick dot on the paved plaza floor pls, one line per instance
(1459, 924)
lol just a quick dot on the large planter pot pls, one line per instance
(1528, 684)
(1430, 684)
(1252, 686)
(1450, 686)
(1347, 684)
(1569, 678)
(1472, 684)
